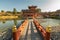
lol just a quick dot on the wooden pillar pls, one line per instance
(47, 36)
(15, 34)
(48, 30)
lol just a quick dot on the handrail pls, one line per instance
(18, 32)
(45, 33)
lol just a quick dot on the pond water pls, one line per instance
(55, 26)
(49, 22)
(5, 28)
(5, 24)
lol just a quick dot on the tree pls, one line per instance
(38, 10)
(2, 11)
(8, 12)
(14, 11)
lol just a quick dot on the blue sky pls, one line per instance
(45, 5)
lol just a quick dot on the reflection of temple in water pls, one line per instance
(30, 12)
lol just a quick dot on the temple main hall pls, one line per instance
(30, 12)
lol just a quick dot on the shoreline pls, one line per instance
(8, 17)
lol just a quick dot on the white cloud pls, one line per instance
(51, 5)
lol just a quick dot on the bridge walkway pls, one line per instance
(31, 33)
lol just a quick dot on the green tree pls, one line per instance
(2, 11)
(38, 10)
(14, 11)
(8, 12)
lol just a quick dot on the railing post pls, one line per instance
(14, 33)
(17, 33)
(45, 33)
(48, 30)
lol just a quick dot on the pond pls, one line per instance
(55, 26)
(6, 24)
(49, 22)
(5, 28)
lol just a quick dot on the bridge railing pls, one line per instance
(18, 32)
(45, 33)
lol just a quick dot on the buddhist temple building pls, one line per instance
(30, 12)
